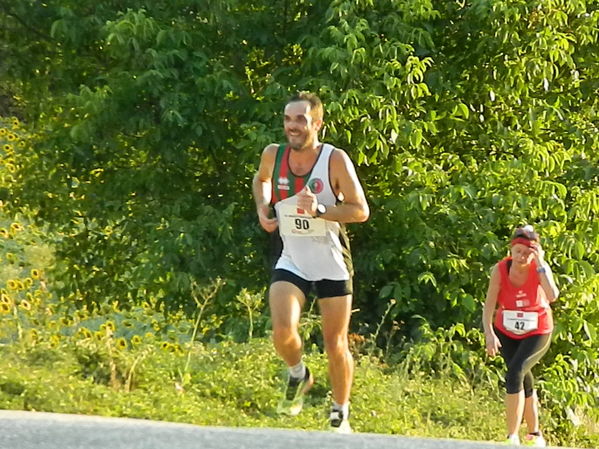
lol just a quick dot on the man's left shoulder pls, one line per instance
(340, 160)
(335, 148)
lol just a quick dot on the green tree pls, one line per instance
(466, 118)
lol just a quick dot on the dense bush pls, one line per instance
(146, 121)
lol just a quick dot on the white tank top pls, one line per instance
(313, 248)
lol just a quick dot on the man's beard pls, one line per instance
(299, 145)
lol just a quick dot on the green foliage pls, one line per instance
(141, 174)
(217, 393)
(115, 362)
(144, 127)
(449, 107)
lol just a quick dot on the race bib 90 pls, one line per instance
(296, 222)
(520, 322)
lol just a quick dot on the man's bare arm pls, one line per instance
(354, 207)
(262, 188)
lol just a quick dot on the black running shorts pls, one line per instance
(324, 288)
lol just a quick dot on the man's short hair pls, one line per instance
(316, 108)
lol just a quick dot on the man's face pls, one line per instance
(300, 128)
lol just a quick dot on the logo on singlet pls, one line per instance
(316, 185)
(521, 299)
(283, 183)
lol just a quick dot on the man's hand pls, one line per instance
(307, 201)
(268, 224)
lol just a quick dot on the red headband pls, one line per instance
(523, 241)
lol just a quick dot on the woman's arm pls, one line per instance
(545, 274)
(492, 342)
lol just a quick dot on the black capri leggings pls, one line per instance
(520, 356)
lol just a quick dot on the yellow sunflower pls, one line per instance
(16, 227)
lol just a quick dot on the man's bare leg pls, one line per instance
(286, 302)
(336, 313)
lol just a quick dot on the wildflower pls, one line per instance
(16, 227)
(28, 282)
(7, 147)
(10, 137)
(4, 308)
(25, 305)
(11, 283)
(165, 345)
(136, 340)
(35, 273)
(84, 332)
(121, 343)
(3, 132)
(4, 233)
(54, 341)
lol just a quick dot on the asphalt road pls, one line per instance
(35, 430)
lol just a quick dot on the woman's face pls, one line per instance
(522, 254)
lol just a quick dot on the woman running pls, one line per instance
(521, 288)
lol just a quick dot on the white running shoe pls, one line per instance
(293, 397)
(512, 440)
(534, 441)
(338, 422)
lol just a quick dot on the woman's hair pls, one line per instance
(526, 232)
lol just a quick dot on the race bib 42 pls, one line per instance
(519, 322)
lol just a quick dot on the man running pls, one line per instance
(314, 190)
